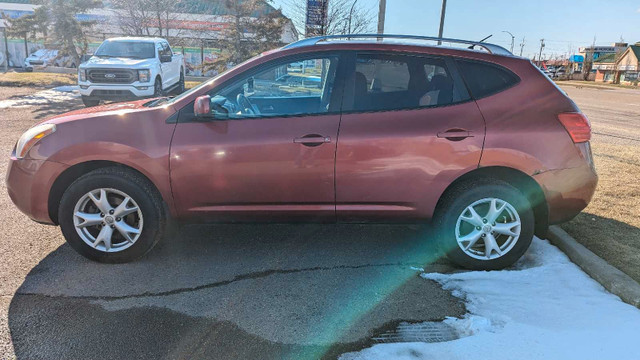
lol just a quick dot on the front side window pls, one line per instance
(293, 88)
(391, 82)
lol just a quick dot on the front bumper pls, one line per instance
(116, 91)
(568, 191)
(29, 183)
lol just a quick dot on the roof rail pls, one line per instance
(491, 48)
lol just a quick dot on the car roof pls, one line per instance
(137, 39)
(414, 40)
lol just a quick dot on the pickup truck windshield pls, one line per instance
(126, 49)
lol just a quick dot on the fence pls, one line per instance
(193, 56)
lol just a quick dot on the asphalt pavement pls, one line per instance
(209, 291)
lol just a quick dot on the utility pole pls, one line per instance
(513, 39)
(541, 47)
(521, 46)
(442, 13)
(381, 13)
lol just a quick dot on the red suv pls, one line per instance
(325, 130)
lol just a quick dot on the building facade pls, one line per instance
(622, 67)
(192, 29)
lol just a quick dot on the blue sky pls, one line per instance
(563, 24)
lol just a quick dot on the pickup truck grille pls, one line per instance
(111, 76)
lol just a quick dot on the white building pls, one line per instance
(196, 31)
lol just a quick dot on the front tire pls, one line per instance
(180, 87)
(157, 88)
(112, 215)
(90, 102)
(485, 224)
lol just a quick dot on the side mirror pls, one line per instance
(202, 106)
(165, 58)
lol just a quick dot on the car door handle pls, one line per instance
(312, 140)
(455, 134)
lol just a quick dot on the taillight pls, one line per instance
(577, 125)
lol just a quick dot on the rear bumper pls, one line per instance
(567, 191)
(29, 182)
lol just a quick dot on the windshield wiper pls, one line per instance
(158, 101)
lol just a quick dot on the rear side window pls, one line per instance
(385, 82)
(383, 75)
(485, 79)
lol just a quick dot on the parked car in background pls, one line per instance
(130, 67)
(546, 71)
(48, 57)
(392, 132)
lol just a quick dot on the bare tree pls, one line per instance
(343, 17)
(246, 35)
(147, 17)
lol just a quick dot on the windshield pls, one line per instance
(126, 49)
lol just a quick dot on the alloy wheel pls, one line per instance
(108, 220)
(488, 229)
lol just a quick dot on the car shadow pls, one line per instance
(43, 111)
(233, 291)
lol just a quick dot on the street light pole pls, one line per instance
(351, 14)
(513, 39)
(442, 13)
(521, 46)
(540, 55)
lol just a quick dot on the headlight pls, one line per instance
(144, 75)
(31, 137)
(82, 74)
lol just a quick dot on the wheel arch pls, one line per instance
(518, 179)
(67, 177)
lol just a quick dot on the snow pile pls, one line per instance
(543, 308)
(56, 95)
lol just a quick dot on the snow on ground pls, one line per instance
(55, 95)
(543, 308)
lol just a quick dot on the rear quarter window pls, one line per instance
(484, 79)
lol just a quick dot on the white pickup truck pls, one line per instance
(130, 68)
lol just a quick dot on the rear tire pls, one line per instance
(157, 88)
(180, 87)
(486, 240)
(89, 102)
(108, 231)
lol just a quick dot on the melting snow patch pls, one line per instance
(544, 307)
(55, 95)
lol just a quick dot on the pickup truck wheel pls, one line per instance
(89, 102)
(157, 88)
(112, 215)
(484, 224)
(180, 88)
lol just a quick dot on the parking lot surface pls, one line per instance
(223, 291)
(227, 291)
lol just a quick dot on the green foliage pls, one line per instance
(55, 21)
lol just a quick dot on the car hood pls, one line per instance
(97, 111)
(96, 62)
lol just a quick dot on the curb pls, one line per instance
(614, 280)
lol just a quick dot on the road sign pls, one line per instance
(317, 11)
